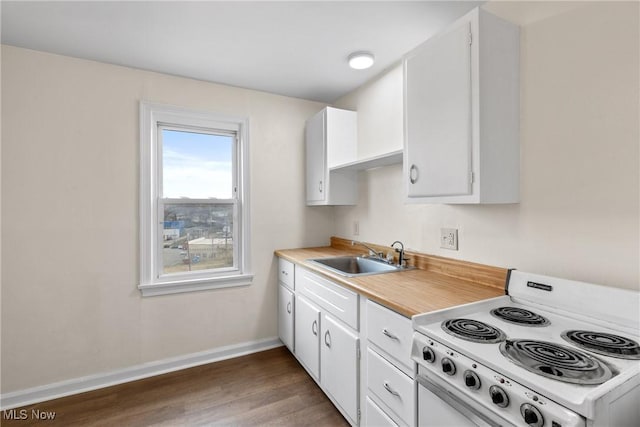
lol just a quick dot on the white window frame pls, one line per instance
(152, 282)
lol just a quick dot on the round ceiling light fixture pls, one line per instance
(361, 60)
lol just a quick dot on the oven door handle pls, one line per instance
(461, 406)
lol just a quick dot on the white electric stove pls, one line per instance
(552, 352)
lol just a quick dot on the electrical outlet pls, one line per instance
(356, 228)
(449, 238)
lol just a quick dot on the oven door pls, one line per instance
(440, 405)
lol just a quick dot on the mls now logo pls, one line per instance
(23, 414)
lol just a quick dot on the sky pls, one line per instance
(196, 165)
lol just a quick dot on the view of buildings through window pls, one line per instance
(197, 237)
(198, 204)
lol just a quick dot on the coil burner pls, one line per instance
(603, 343)
(520, 316)
(473, 330)
(556, 361)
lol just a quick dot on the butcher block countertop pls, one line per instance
(436, 283)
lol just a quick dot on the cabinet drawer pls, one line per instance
(286, 273)
(340, 302)
(391, 386)
(377, 417)
(391, 332)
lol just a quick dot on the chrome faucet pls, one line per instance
(372, 252)
(401, 258)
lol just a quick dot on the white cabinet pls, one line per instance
(392, 387)
(339, 365)
(376, 416)
(286, 273)
(286, 302)
(331, 141)
(327, 340)
(342, 303)
(461, 90)
(286, 315)
(307, 336)
(390, 372)
(316, 158)
(392, 334)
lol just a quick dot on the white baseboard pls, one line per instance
(93, 382)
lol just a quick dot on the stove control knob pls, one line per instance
(531, 415)
(498, 396)
(428, 355)
(471, 380)
(448, 367)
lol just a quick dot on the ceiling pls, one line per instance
(296, 49)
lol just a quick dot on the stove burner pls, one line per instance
(520, 316)
(473, 330)
(603, 343)
(556, 361)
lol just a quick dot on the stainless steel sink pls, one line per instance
(352, 266)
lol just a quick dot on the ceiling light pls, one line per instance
(360, 60)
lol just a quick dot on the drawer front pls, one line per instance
(391, 332)
(376, 416)
(286, 273)
(340, 302)
(391, 386)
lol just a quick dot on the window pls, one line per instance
(194, 227)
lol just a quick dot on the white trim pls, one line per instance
(152, 114)
(93, 382)
(194, 285)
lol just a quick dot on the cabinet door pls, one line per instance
(438, 115)
(307, 335)
(340, 367)
(341, 130)
(285, 316)
(315, 140)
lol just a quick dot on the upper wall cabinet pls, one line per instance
(331, 140)
(461, 95)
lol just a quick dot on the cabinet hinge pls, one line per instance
(470, 38)
(358, 351)
(471, 177)
(358, 416)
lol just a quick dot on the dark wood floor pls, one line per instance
(267, 388)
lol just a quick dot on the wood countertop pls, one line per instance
(435, 284)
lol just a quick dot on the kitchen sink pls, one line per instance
(352, 266)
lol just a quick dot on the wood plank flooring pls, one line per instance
(266, 388)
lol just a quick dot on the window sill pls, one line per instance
(194, 285)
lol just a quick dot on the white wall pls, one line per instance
(70, 305)
(579, 215)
